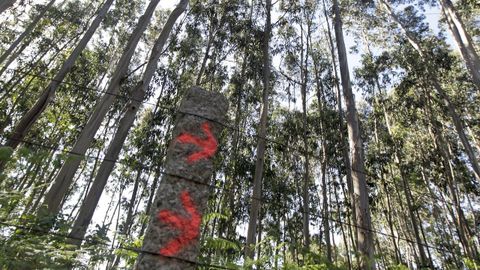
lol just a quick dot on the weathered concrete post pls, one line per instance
(180, 202)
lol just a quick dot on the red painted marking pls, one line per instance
(208, 145)
(189, 227)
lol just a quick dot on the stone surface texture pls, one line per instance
(183, 177)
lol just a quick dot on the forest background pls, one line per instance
(397, 161)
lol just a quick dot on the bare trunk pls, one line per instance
(306, 175)
(342, 223)
(326, 212)
(459, 218)
(262, 132)
(363, 221)
(128, 220)
(345, 156)
(198, 81)
(65, 176)
(415, 226)
(126, 122)
(463, 40)
(323, 166)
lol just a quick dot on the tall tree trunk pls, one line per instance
(234, 185)
(5, 4)
(422, 260)
(325, 210)
(342, 223)
(262, 132)
(26, 33)
(405, 184)
(203, 65)
(459, 127)
(463, 40)
(345, 156)
(126, 122)
(323, 168)
(459, 219)
(306, 175)
(411, 212)
(129, 219)
(48, 95)
(64, 178)
(363, 221)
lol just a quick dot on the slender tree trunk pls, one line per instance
(388, 214)
(5, 4)
(345, 240)
(306, 175)
(25, 33)
(23, 75)
(326, 212)
(398, 254)
(26, 122)
(198, 81)
(150, 197)
(459, 219)
(227, 226)
(424, 238)
(345, 156)
(406, 188)
(463, 40)
(363, 221)
(234, 185)
(415, 226)
(408, 195)
(138, 95)
(51, 44)
(323, 167)
(262, 132)
(65, 176)
(129, 219)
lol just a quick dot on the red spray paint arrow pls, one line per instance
(189, 227)
(208, 145)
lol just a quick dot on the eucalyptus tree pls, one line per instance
(64, 178)
(297, 51)
(427, 58)
(138, 95)
(370, 74)
(240, 88)
(305, 34)
(365, 244)
(463, 39)
(255, 202)
(341, 127)
(327, 131)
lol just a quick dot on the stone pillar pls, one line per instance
(181, 199)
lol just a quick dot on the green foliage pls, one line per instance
(471, 264)
(398, 267)
(5, 153)
(25, 249)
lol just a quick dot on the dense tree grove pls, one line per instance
(352, 139)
